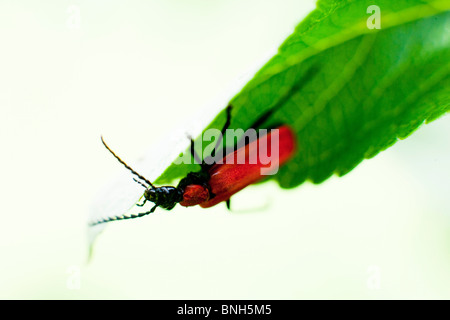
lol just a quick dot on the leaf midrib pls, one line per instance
(349, 69)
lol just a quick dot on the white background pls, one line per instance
(132, 71)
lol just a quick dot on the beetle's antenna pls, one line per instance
(126, 166)
(140, 183)
(123, 217)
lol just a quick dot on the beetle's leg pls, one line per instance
(142, 204)
(224, 129)
(265, 206)
(146, 187)
(194, 153)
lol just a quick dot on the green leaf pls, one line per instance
(370, 86)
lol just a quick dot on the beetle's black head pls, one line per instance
(165, 197)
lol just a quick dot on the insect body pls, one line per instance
(213, 183)
(228, 178)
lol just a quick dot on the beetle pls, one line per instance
(217, 182)
(213, 183)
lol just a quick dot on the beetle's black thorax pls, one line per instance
(165, 197)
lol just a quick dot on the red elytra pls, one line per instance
(229, 177)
